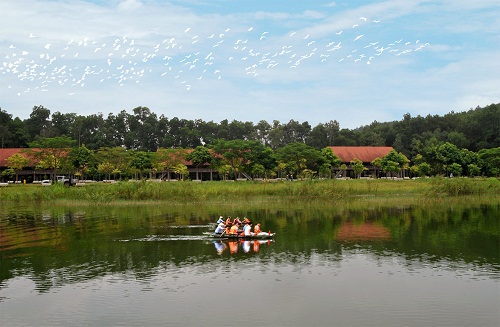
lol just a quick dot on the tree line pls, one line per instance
(143, 130)
(132, 145)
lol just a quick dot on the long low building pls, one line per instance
(345, 153)
(364, 153)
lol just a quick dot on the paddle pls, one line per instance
(224, 231)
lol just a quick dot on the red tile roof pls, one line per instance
(6, 153)
(364, 153)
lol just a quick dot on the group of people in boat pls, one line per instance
(237, 227)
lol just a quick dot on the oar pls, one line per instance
(222, 233)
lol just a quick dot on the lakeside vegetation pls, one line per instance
(325, 191)
(141, 146)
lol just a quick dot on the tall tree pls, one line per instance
(38, 124)
(5, 133)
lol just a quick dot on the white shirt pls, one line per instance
(220, 228)
(247, 230)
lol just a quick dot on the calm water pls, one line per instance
(152, 266)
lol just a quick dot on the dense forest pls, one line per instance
(143, 130)
(132, 145)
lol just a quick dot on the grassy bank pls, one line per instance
(253, 192)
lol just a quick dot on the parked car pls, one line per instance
(66, 181)
(46, 182)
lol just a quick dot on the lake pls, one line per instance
(344, 265)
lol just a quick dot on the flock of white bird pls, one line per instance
(186, 58)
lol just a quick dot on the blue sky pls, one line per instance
(251, 60)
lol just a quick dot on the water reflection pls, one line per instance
(117, 253)
(245, 246)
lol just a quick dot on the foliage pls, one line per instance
(52, 153)
(143, 130)
(491, 161)
(394, 162)
(17, 162)
(199, 156)
(308, 190)
(8, 173)
(82, 159)
(142, 142)
(299, 156)
(357, 166)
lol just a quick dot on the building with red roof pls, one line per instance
(364, 153)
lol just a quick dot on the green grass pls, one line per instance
(253, 192)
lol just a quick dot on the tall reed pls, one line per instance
(308, 190)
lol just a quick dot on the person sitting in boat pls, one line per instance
(228, 220)
(247, 229)
(234, 229)
(258, 231)
(221, 220)
(237, 221)
(228, 228)
(220, 227)
(245, 222)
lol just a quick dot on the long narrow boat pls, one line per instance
(241, 236)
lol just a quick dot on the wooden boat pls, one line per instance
(241, 236)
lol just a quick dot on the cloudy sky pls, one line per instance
(349, 60)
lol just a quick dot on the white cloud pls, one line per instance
(130, 5)
(456, 69)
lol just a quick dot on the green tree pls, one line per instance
(224, 171)
(261, 155)
(280, 167)
(5, 133)
(82, 159)
(491, 161)
(394, 162)
(181, 170)
(141, 161)
(343, 169)
(329, 159)
(105, 168)
(119, 158)
(377, 163)
(357, 167)
(455, 169)
(448, 154)
(258, 170)
(38, 124)
(8, 173)
(199, 156)
(473, 170)
(424, 169)
(299, 156)
(17, 162)
(234, 153)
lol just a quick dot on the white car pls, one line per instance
(46, 182)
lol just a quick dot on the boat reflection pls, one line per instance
(246, 246)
